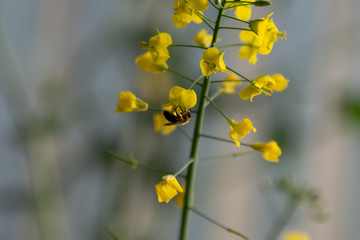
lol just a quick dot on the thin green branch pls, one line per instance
(183, 76)
(202, 16)
(184, 132)
(233, 45)
(236, 28)
(183, 167)
(185, 45)
(224, 140)
(135, 164)
(232, 230)
(213, 96)
(217, 108)
(232, 155)
(196, 80)
(227, 16)
(213, 4)
(240, 75)
(208, 24)
(221, 81)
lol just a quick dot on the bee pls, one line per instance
(177, 118)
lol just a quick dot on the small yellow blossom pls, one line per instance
(159, 121)
(244, 12)
(182, 98)
(212, 61)
(280, 84)
(295, 235)
(129, 103)
(229, 87)
(157, 46)
(240, 130)
(271, 150)
(203, 39)
(261, 40)
(167, 188)
(147, 63)
(199, 5)
(249, 92)
(185, 13)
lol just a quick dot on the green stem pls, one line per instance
(216, 7)
(190, 179)
(185, 45)
(232, 155)
(217, 108)
(184, 132)
(232, 230)
(220, 81)
(224, 140)
(203, 16)
(232, 45)
(214, 96)
(227, 16)
(183, 76)
(240, 75)
(236, 28)
(196, 81)
(183, 168)
(134, 163)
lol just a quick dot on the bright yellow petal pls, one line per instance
(281, 83)
(167, 188)
(147, 64)
(199, 5)
(271, 150)
(249, 92)
(243, 12)
(162, 40)
(196, 18)
(243, 128)
(295, 235)
(127, 102)
(233, 135)
(188, 99)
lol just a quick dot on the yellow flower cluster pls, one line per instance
(154, 60)
(261, 39)
(187, 11)
(264, 84)
(212, 62)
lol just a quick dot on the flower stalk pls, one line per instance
(190, 179)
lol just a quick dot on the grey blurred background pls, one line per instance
(62, 65)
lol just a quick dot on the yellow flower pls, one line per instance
(167, 188)
(212, 61)
(244, 12)
(199, 5)
(229, 87)
(183, 99)
(249, 92)
(260, 42)
(295, 235)
(129, 103)
(157, 46)
(240, 130)
(159, 121)
(280, 83)
(271, 150)
(203, 39)
(185, 13)
(259, 85)
(147, 63)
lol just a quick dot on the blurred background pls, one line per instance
(62, 66)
